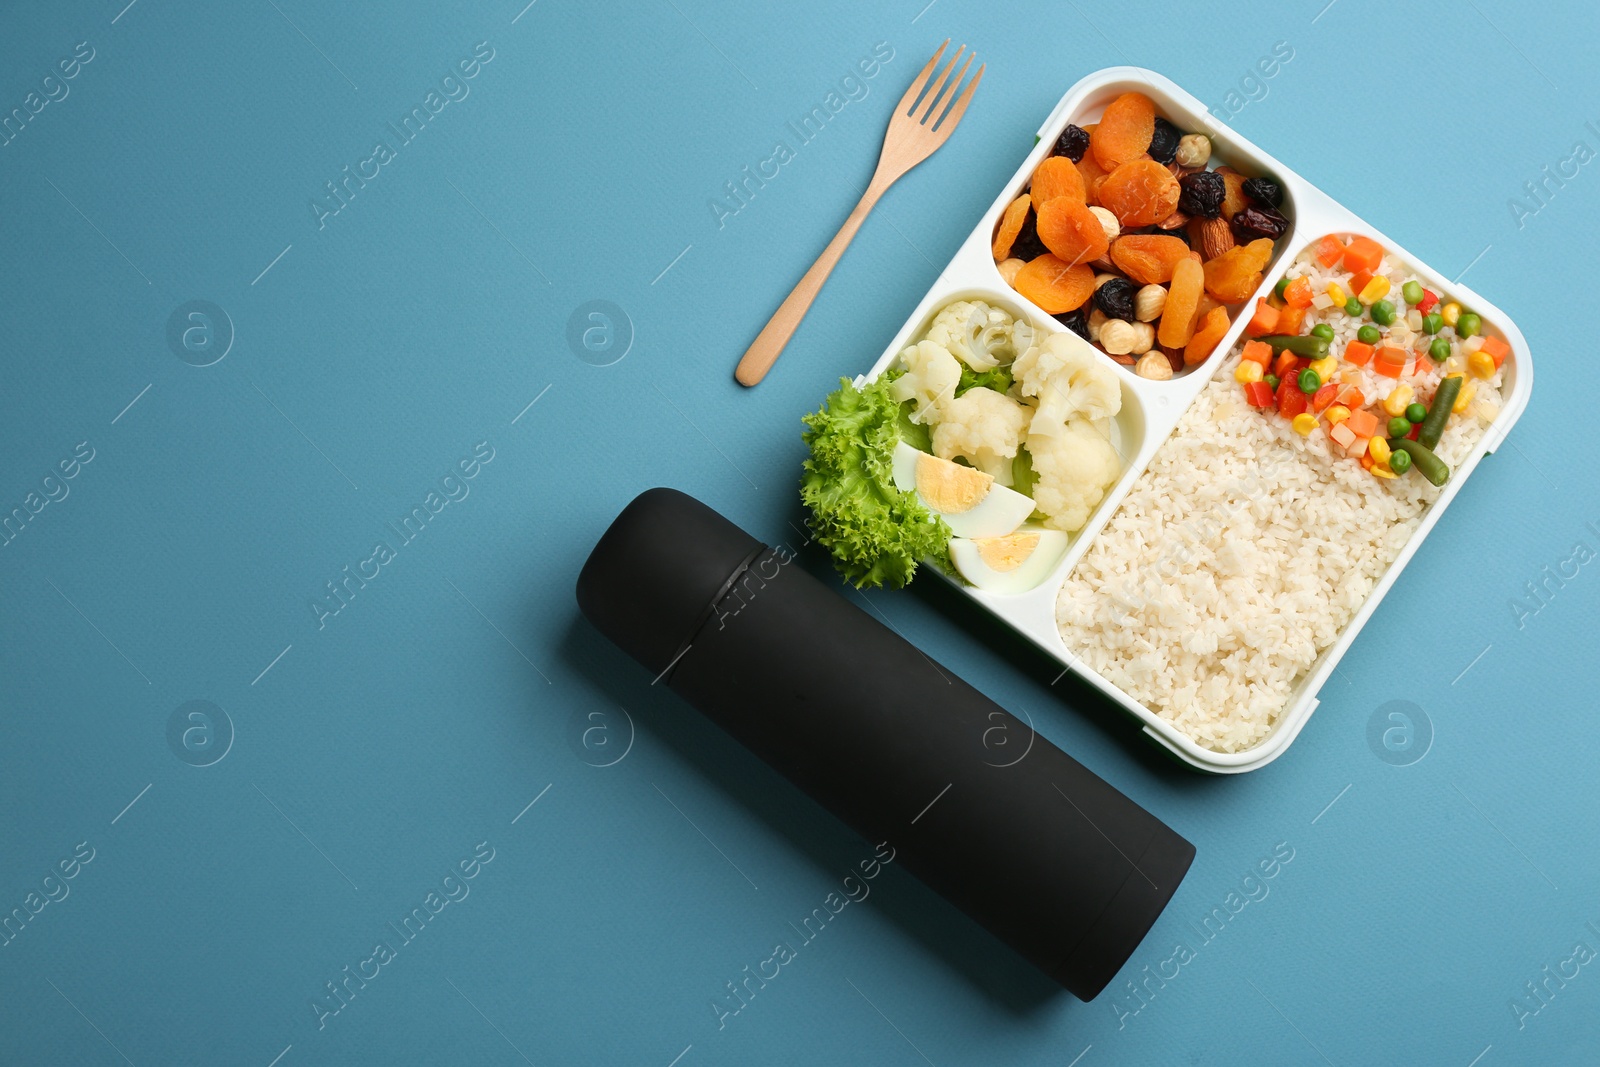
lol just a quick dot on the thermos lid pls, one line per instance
(658, 571)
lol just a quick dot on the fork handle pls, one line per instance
(769, 343)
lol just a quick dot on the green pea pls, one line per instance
(1431, 323)
(1369, 335)
(1467, 325)
(1283, 283)
(1439, 350)
(1399, 426)
(1353, 308)
(1412, 291)
(1414, 413)
(1309, 382)
(1322, 329)
(1383, 313)
(1273, 381)
(1400, 461)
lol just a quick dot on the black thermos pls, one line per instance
(1041, 852)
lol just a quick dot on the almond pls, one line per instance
(1173, 221)
(1216, 237)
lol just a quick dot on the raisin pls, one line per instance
(1027, 245)
(1202, 194)
(1076, 322)
(1164, 142)
(1073, 142)
(1115, 298)
(1264, 191)
(1260, 221)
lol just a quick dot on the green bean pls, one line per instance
(1307, 345)
(1428, 465)
(1432, 427)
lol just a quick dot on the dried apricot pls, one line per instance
(1093, 175)
(1070, 230)
(1055, 285)
(1125, 130)
(1206, 336)
(1148, 258)
(1055, 176)
(1235, 274)
(1233, 198)
(1010, 225)
(1140, 193)
(1177, 318)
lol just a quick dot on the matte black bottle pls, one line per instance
(1037, 849)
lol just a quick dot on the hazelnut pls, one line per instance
(1194, 150)
(1008, 269)
(1118, 337)
(1108, 222)
(1153, 365)
(1149, 302)
(1103, 277)
(1144, 338)
(1097, 319)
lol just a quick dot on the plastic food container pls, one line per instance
(1151, 409)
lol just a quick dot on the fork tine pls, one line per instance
(922, 79)
(948, 120)
(938, 86)
(936, 112)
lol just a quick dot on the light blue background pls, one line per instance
(425, 716)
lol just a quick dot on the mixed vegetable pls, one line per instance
(1128, 239)
(1366, 392)
(979, 449)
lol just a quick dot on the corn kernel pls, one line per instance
(1247, 371)
(1396, 402)
(1325, 368)
(1481, 365)
(1381, 471)
(1337, 294)
(1378, 449)
(1464, 398)
(1450, 313)
(1375, 290)
(1304, 423)
(1337, 414)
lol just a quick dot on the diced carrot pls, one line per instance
(1342, 435)
(1257, 352)
(1362, 423)
(1286, 365)
(1297, 294)
(1358, 282)
(1362, 254)
(1352, 398)
(1358, 352)
(1264, 321)
(1388, 370)
(1366, 461)
(1324, 396)
(1389, 362)
(1498, 350)
(1290, 319)
(1328, 250)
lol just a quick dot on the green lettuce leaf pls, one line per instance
(876, 532)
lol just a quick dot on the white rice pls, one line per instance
(1244, 550)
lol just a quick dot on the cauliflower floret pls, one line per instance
(1068, 380)
(984, 427)
(980, 335)
(930, 380)
(1074, 467)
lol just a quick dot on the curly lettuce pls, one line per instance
(876, 532)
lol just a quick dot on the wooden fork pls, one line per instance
(913, 135)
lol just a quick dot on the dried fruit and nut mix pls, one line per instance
(1128, 239)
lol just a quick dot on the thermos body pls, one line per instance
(1028, 842)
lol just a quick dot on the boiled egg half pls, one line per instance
(968, 500)
(1014, 563)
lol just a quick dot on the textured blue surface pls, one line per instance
(372, 753)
